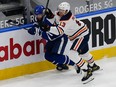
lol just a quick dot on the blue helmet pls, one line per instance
(39, 9)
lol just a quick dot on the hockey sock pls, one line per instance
(79, 61)
(82, 64)
(88, 57)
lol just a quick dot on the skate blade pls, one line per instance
(97, 71)
(87, 81)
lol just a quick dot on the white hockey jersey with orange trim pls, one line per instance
(71, 26)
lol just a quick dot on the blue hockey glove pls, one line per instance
(32, 31)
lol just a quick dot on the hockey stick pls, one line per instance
(44, 15)
(47, 5)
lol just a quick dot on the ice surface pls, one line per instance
(53, 78)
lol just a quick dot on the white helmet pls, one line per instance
(64, 6)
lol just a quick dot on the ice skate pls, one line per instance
(62, 67)
(78, 69)
(87, 76)
(94, 67)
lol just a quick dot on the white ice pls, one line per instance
(53, 78)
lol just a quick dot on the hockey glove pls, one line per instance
(44, 27)
(32, 31)
(49, 14)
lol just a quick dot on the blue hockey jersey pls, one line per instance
(57, 42)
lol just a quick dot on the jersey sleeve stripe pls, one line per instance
(78, 33)
(60, 30)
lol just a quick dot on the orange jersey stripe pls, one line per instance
(78, 43)
(78, 33)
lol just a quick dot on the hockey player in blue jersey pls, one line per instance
(56, 47)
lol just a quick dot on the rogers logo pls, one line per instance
(9, 50)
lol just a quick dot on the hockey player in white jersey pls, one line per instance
(78, 34)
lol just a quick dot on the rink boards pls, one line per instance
(21, 53)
